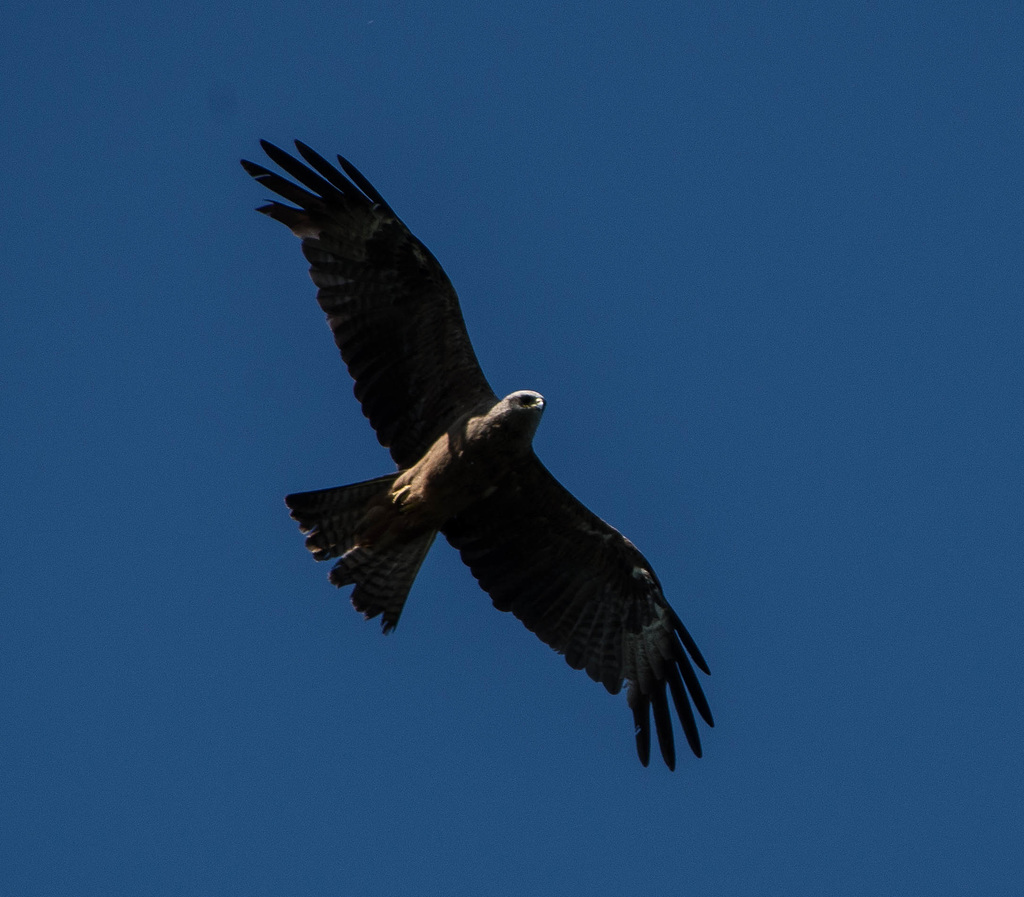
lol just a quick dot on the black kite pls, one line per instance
(466, 463)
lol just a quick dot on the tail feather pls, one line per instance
(382, 578)
(330, 518)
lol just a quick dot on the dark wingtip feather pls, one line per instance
(700, 700)
(270, 148)
(251, 168)
(324, 168)
(693, 684)
(663, 726)
(689, 643)
(324, 187)
(641, 722)
(684, 712)
(308, 153)
(280, 156)
(361, 182)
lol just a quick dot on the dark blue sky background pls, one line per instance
(766, 264)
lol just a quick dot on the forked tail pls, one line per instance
(330, 519)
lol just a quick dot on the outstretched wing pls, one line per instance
(586, 591)
(393, 311)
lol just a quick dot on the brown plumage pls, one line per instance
(466, 463)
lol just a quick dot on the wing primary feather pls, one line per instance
(685, 713)
(663, 725)
(641, 722)
(689, 643)
(301, 173)
(324, 167)
(696, 692)
(361, 182)
(289, 217)
(254, 170)
(292, 192)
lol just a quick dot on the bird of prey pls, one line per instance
(466, 465)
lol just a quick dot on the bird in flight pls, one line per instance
(466, 465)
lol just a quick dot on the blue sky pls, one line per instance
(765, 263)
